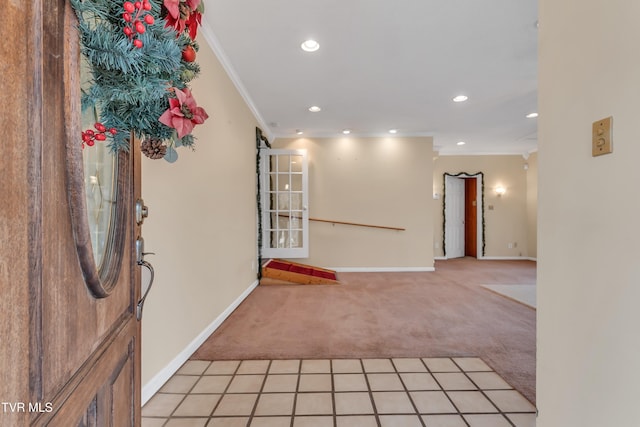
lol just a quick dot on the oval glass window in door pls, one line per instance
(97, 179)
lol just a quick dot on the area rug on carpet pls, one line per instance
(526, 294)
(445, 313)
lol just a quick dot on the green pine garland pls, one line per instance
(130, 87)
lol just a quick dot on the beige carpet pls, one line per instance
(445, 313)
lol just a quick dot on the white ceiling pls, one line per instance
(386, 64)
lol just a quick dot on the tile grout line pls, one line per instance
(443, 389)
(259, 395)
(373, 403)
(333, 392)
(187, 394)
(224, 392)
(415, 407)
(295, 396)
(481, 390)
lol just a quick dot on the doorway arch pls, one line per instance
(453, 200)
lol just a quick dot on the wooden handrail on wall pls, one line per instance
(356, 224)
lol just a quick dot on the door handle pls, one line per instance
(140, 305)
(140, 254)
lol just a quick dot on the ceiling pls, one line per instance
(384, 65)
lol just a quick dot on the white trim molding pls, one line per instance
(152, 387)
(216, 47)
(381, 269)
(494, 258)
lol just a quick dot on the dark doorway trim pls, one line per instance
(444, 206)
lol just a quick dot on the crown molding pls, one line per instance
(212, 40)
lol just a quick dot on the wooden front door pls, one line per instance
(69, 337)
(471, 217)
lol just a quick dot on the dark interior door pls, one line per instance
(471, 217)
(69, 356)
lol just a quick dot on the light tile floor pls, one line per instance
(404, 392)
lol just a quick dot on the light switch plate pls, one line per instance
(602, 141)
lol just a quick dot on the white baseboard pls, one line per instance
(494, 258)
(505, 258)
(380, 269)
(151, 388)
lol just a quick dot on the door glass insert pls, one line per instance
(286, 216)
(98, 179)
(101, 186)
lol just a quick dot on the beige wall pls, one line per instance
(588, 254)
(532, 205)
(380, 181)
(507, 221)
(201, 223)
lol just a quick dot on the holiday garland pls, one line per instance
(140, 56)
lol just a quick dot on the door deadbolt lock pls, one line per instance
(142, 211)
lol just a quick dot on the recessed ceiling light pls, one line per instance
(315, 109)
(299, 132)
(393, 130)
(310, 45)
(460, 98)
(461, 143)
(531, 115)
(346, 131)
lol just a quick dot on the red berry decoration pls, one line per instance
(89, 137)
(136, 24)
(189, 54)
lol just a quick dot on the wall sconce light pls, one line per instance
(500, 190)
